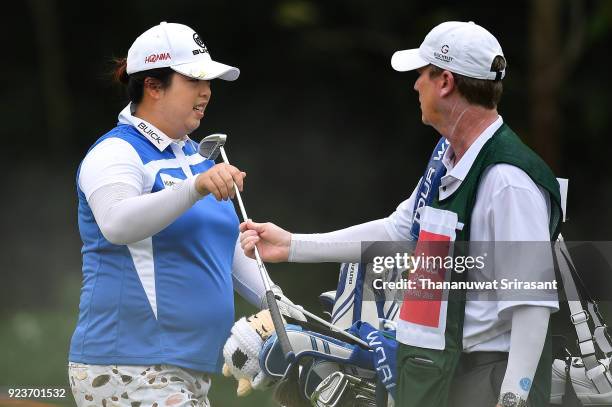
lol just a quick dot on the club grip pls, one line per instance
(279, 326)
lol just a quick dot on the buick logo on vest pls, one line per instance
(441, 56)
(149, 132)
(200, 43)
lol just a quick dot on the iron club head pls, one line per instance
(210, 146)
(330, 391)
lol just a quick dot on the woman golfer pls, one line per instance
(159, 237)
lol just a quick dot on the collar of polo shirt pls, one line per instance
(157, 137)
(457, 173)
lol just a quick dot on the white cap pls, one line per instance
(176, 46)
(459, 47)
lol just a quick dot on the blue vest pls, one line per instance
(167, 299)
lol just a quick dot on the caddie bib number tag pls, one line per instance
(422, 304)
(422, 320)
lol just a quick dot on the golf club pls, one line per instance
(209, 148)
(324, 322)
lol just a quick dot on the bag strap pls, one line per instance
(600, 333)
(570, 398)
(595, 370)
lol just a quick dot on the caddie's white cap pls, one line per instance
(459, 47)
(176, 46)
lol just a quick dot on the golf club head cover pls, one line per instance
(241, 352)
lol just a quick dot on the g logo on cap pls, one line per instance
(444, 49)
(198, 40)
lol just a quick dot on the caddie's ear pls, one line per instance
(446, 83)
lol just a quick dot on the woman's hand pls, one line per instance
(272, 241)
(219, 180)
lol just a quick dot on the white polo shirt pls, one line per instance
(509, 206)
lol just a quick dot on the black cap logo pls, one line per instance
(198, 40)
(444, 49)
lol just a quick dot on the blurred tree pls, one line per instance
(555, 47)
(550, 65)
(330, 135)
(56, 100)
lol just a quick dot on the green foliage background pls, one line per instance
(329, 134)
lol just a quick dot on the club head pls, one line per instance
(330, 391)
(210, 146)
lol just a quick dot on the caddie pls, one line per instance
(493, 188)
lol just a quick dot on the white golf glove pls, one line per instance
(284, 309)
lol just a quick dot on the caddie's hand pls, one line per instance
(272, 241)
(219, 180)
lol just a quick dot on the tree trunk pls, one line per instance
(554, 50)
(544, 74)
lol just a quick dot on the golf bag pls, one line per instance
(327, 371)
(346, 305)
(329, 368)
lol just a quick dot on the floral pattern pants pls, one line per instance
(138, 386)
